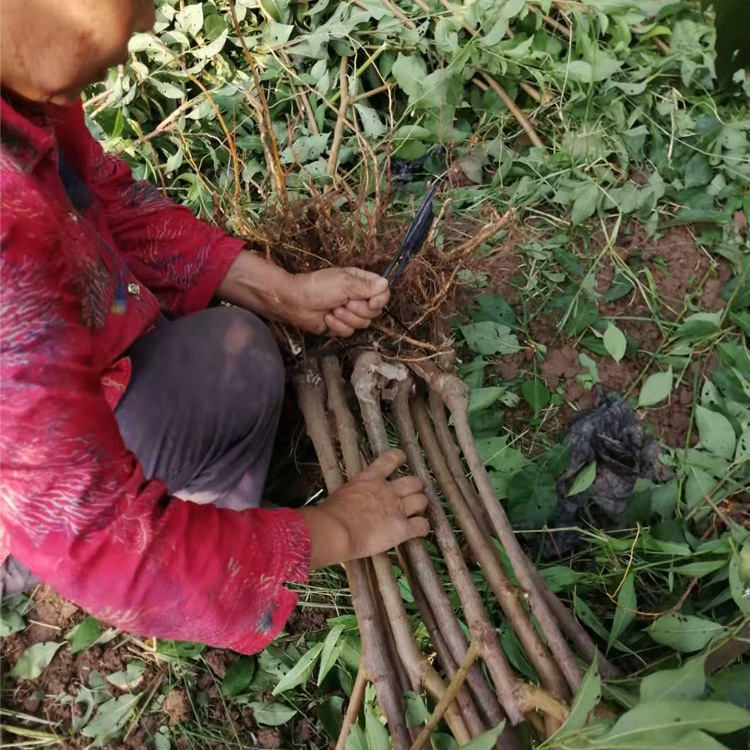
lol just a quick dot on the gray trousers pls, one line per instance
(200, 412)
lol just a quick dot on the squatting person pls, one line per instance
(136, 422)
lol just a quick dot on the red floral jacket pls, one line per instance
(85, 271)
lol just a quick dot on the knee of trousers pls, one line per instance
(253, 361)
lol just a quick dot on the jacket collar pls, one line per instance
(27, 132)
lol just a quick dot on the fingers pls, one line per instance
(361, 308)
(337, 327)
(417, 526)
(379, 301)
(414, 505)
(351, 319)
(405, 486)
(364, 284)
(384, 466)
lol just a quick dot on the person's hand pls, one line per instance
(368, 515)
(336, 300)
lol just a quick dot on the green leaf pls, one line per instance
(585, 203)
(627, 604)
(716, 432)
(698, 171)
(84, 634)
(739, 583)
(536, 394)
(376, 733)
(10, 622)
(615, 342)
(300, 672)
(190, 19)
(409, 72)
(34, 660)
(656, 388)
(648, 718)
(332, 647)
(532, 497)
(356, 739)
(488, 337)
(688, 683)
(486, 740)
(272, 714)
(731, 683)
(331, 715)
(416, 711)
(743, 446)
(587, 699)
(181, 649)
(111, 716)
(684, 633)
(239, 676)
(584, 479)
(128, 678)
(482, 398)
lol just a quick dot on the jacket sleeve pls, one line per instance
(180, 259)
(74, 503)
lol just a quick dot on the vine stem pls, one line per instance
(311, 395)
(338, 132)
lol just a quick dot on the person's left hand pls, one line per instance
(336, 300)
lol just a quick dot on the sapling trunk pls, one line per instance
(374, 649)
(420, 671)
(568, 623)
(505, 592)
(463, 697)
(482, 630)
(349, 443)
(455, 396)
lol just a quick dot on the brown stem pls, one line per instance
(535, 699)
(420, 671)
(262, 111)
(452, 691)
(468, 710)
(455, 396)
(575, 631)
(523, 121)
(355, 703)
(453, 458)
(338, 131)
(569, 624)
(736, 646)
(506, 594)
(375, 657)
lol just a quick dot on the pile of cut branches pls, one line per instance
(554, 642)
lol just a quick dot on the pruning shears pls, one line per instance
(414, 238)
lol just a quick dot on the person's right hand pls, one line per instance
(367, 515)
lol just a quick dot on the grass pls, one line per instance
(632, 215)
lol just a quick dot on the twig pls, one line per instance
(523, 121)
(455, 396)
(505, 593)
(372, 92)
(263, 113)
(355, 703)
(450, 694)
(403, 337)
(377, 663)
(535, 699)
(457, 257)
(338, 131)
